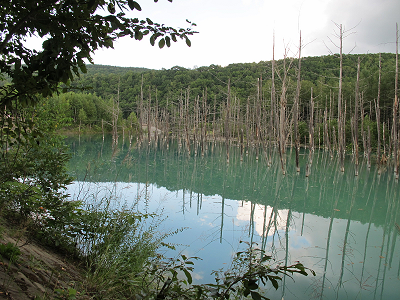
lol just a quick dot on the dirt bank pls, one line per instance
(37, 274)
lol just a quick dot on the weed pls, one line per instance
(10, 252)
(69, 294)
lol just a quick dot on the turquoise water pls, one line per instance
(340, 225)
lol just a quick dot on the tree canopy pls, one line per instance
(71, 31)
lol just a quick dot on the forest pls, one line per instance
(319, 73)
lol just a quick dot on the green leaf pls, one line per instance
(153, 39)
(265, 258)
(150, 22)
(188, 276)
(246, 292)
(252, 285)
(138, 35)
(274, 282)
(111, 8)
(188, 42)
(134, 5)
(72, 293)
(168, 41)
(161, 43)
(255, 296)
(82, 66)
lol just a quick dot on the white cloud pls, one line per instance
(261, 215)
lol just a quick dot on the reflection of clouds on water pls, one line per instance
(351, 254)
(262, 216)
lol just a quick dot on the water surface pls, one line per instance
(340, 225)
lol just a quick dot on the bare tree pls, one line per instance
(395, 137)
(340, 112)
(341, 34)
(355, 119)
(378, 112)
(227, 119)
(296, 110)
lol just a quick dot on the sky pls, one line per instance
(242, 31)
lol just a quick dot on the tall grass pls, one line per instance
(117, 242)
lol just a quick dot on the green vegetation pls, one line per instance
(10, 252)
(71, 32)
(319, 73)
(116, 246)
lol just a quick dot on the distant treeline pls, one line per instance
(319, 73)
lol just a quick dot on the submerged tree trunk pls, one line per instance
(311, 125)
(296, 110)
(148, 117)
(378, 113)
(282, 118)
(274, 117)
(187, 120)
(395, 110)
(141, 109)
(227, 120)
(355, 121)
(340, 112)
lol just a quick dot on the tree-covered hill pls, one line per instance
(319, 73)
(108, 70)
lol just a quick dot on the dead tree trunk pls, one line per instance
(296, 110)
(326, 132)
(227, 120)
(141, 109)
(214, 115)
(341, 141)
(311, 125)
(274, 118)
(355, 121)
(247, 121)
(378, 113)
(187, 120)
(395, 110)
(156, 119)
(204, 123)
(148, 116)
(282, 118)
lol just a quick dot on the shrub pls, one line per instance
(10, 252)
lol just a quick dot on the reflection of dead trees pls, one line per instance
(397, 227)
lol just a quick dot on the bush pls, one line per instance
(10, 252)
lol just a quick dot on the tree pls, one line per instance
(71, 30)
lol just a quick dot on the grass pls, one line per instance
(116, 243)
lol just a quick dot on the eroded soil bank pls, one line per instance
(39, 273)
